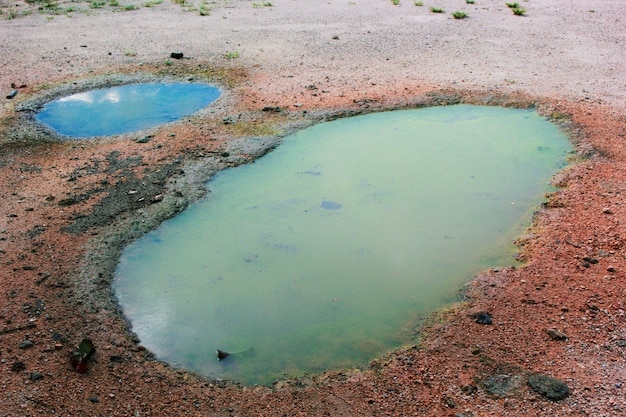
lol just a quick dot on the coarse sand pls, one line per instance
(68, 207)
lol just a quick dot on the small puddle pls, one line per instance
(326, 252)
(124, 109)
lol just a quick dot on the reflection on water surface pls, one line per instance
(124, 109)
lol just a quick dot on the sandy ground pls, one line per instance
(66, 209)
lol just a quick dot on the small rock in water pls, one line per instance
(551, 388)
(222, 354)
(483, 318)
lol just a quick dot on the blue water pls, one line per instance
(326, 252)
(124, 109)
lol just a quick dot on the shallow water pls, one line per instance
(326, 252)
(124, 109)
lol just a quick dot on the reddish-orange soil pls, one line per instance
(54, 279)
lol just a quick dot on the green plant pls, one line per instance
(168, 62)
(114, 3)
(231, 55)
(11, 13)
(459, 15)
(97, 4)
(204, 9)
(395, 2)
(130, 7)
(518, 12)
(47, 6)
(264, 4)
(436, 10)
(419, 3)
(512, 5)
(469, 1)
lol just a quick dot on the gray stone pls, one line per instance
(501, 385)
(556, 335)
(26, 344)
(551, 388)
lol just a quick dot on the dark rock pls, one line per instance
(176, 55)
(483, 318)
(18, 366)
(69, 201)
(26, 344)
(94, 399)
(116, 359)
(468, 389)
(551, 388)
(556, 335)
(36, 376)
(221, 355)
(275, 109)
(590, 260)
(449, 402)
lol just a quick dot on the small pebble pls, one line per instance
(556, 335)
(26, 344)
(483, 318)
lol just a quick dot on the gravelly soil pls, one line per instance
(67, 208)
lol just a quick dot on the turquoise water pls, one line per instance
(124, 109)
(326, 252)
